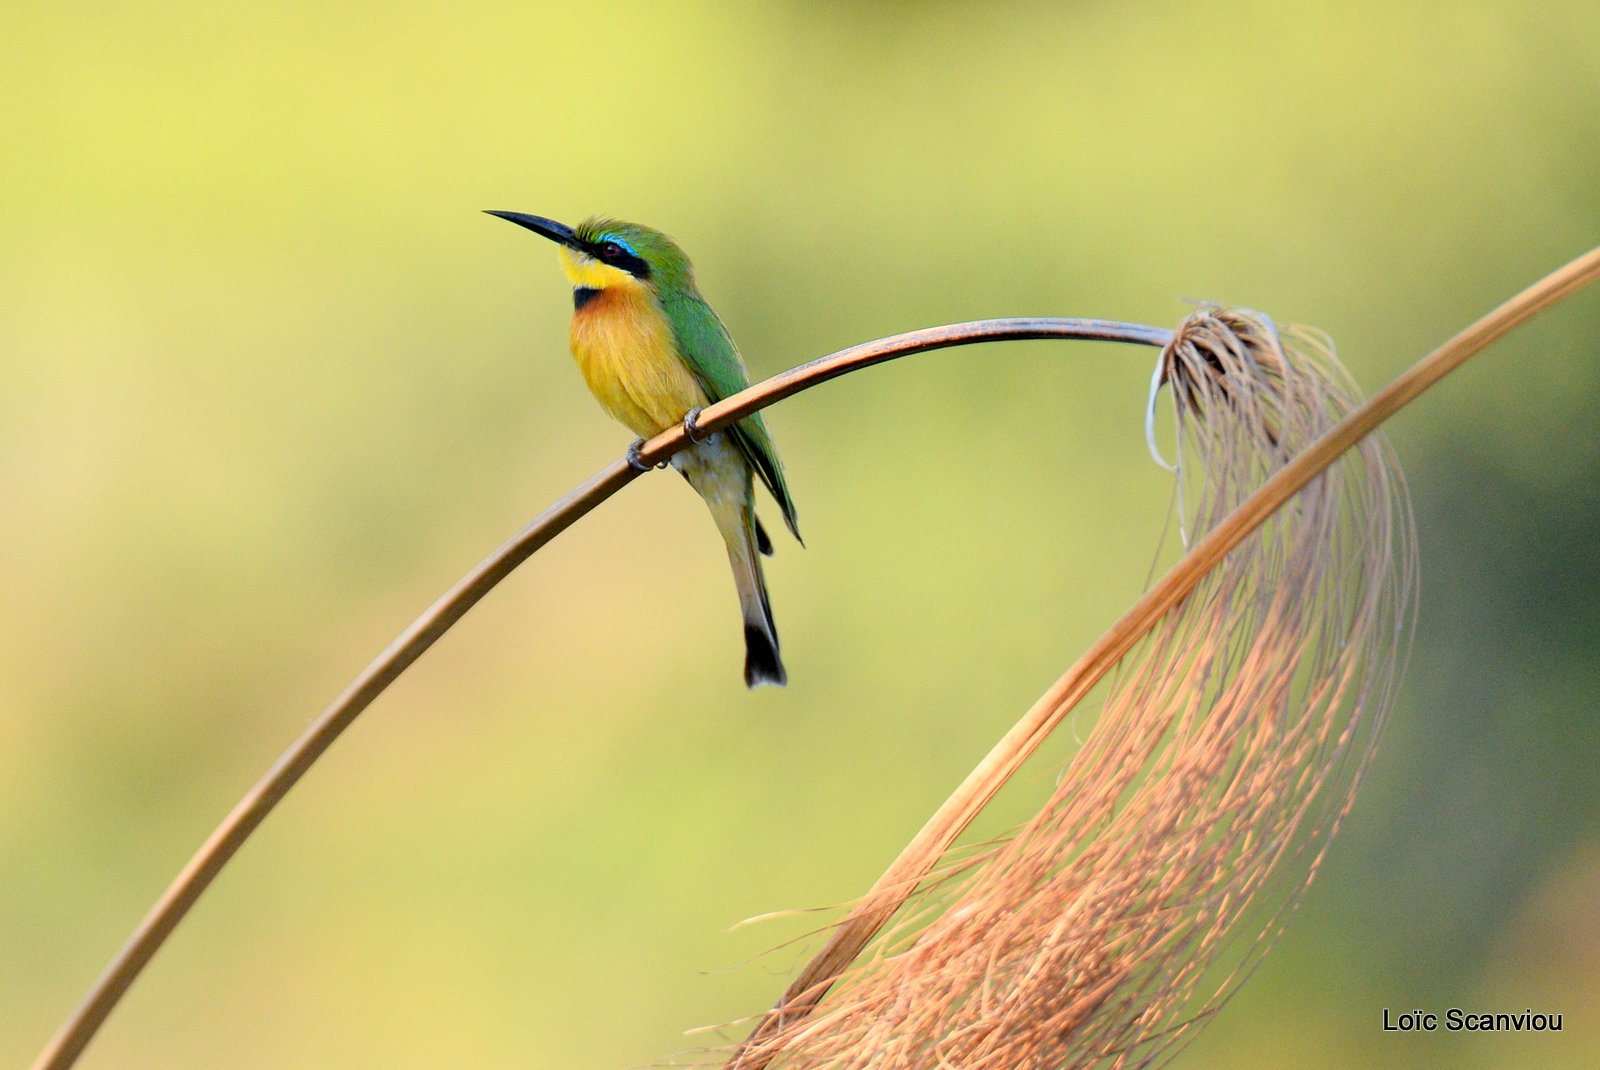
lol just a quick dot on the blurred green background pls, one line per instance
(271, 384)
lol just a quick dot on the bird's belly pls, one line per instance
(718, 472)
(625, 351)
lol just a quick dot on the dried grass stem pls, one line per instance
(74, 1035)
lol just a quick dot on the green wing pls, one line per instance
(710, 353)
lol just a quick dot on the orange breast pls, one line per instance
(624, 349)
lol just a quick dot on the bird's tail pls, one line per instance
(761, 662)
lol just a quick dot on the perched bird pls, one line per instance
(654, 354)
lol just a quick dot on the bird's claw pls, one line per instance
(638, 463)
(691, 426)
(691, 431)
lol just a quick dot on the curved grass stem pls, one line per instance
(74, 1035)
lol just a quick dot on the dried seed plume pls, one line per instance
(1111, 925)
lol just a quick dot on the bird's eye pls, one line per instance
(610, 251)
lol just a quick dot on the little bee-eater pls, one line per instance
(654, 354)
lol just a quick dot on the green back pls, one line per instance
(710, 354)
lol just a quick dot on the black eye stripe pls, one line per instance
(620, 258)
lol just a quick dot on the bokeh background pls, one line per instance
(271, 383)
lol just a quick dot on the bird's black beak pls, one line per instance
(556, 232)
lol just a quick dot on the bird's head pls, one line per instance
(601, 254)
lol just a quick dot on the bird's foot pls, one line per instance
(691, 426)
(638, 463)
